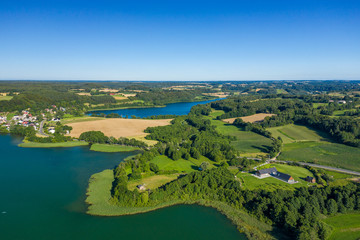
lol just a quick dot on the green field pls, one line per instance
(337, 175)
(153, 182)
(247, 143)
(298, 173)
(112, 148)
(331, 154)
(79, 119)
(50, 145)
(316, 105)
(295, 133)
(5, 98)
(180, 165)
(345, 226)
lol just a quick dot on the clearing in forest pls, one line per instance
(259, 117)
(117, 127)
(248, 143)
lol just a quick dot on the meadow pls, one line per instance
(112, 148)
(248, 143)
(50, 145)
(345, 226)
(180, 165)
(331, 154)
(5, 98)
(250, 182)
(294, 133)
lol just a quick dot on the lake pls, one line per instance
(43, 193)
(182, 108)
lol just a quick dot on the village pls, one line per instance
(27, 119)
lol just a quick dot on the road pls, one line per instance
(41, 129)
(323, 167)
(311, 165)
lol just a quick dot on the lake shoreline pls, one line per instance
(99, 204)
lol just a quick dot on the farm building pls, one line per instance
(275, 173)
(266, 172)
(285, 177)
(310, 179)
(141, 187)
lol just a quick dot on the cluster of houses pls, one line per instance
(273, 172)
(26, 119)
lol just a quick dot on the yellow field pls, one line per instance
(252, 118)
(117, 127)
(153, 181)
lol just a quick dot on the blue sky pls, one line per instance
(179, 40)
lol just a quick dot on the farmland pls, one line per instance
(112, 148)
(116, 127)
(295, 133)
(331, 154)
(345, 226)
(247, 143)
(252, 118)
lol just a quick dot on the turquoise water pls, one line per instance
(173, 108)
(42, 194)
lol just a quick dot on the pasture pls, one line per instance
(116, 127)
(153, 182)
(112, 148)
(345, 226)
(298, 173)
(331, 154)
(252, 118)
(180, 165)
(5, 98)
(247, 143)
(296, 133)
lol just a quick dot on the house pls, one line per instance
(285, 177)
(273, 172)
(141, 187)
(266, 172)
(51, 130)
(310, 179)
(342, 101)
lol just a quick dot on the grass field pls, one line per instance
(295, 133)
(180, 165)
(112, 148)
(118, 127)
(5, 98)
(345, 226)
(316, 105)
(153, 182)
(248, 143)
(331, 154)
(252, 118)
(50, 145)
(80, 119)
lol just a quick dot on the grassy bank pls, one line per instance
(112, 148)
(99, 200)
(51, 145)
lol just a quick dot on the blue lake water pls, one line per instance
(42, 193)
(172, 108)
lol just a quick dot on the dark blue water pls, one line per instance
(42, 193)
(173, 108)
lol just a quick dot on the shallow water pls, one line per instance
(42, 192)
